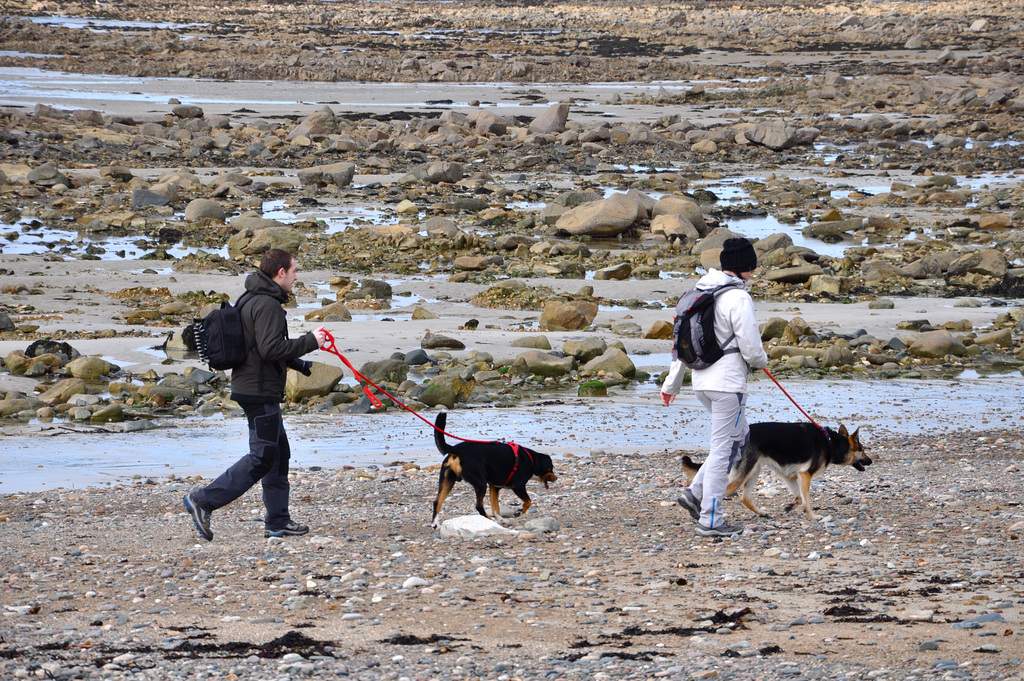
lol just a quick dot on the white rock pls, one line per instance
(470, 526)
(918, 615)
(414, 582)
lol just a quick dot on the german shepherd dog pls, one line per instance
(498, 465)
(796, 452)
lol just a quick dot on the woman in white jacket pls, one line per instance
(722, 387)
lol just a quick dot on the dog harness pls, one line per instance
(515, 464)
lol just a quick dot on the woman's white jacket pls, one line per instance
(734, 315)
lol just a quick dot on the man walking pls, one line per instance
(722, 387)
(258, 385)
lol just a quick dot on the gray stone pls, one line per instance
(204, 209)
(584, 349)
(188, 111)
(390, 370)
(141, 198)
(537, 342)
(539, 525)
(540, 363)
(436, 341)
(612, 360)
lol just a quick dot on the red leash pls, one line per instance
(794, 402)
(331, 347)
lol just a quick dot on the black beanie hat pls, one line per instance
(738, 256)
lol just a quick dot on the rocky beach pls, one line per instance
(495, 206)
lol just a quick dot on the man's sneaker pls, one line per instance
(690, 503)
(722, 530)
(293, 529)
(200, 517)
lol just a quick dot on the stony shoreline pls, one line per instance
(906, 577)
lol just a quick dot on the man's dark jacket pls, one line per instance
(265, 323)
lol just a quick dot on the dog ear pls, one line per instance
(843, 431)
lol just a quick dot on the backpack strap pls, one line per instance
(717, 292)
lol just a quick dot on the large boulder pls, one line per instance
(675, 227)
(188, 111)
(47, 175)
(551, 121)
(336, 311)
(253, 221)
(436, 172)
(322, 380)
(935, 344)
(793, 275)
(988, 262)
(660, 330)
(62, 391)
(618, 272)
(386, 370)
(89, 368)
(567, 316)
(446, 389)
(18, 362)
(260, 241)
(879, 271)
(681, 205)
(607, 217)
(837, 355)
(613, 361)
(487, 123)
(339, 174)
(437, 341)
(584, 349)
(540, 363)
(778, 136)
(320, 122)
(535, 342)
(199, 210)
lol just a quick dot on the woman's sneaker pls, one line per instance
(722, 530)
(690, 503)
(293, 529)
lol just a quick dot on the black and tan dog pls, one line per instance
(796, 452)
(498, 465)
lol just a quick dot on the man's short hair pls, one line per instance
(274, 261)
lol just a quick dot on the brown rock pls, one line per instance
(567, 316)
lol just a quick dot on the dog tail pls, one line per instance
(690, 468)
(439, 424)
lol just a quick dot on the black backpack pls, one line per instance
(219, 337)
(694, 342)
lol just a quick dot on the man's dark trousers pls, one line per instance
(266, 462)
